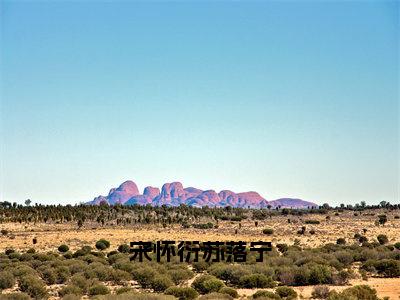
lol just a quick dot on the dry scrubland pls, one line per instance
(311, 258)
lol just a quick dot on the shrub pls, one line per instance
(98, 289)
(180, 275)
(382, 219)
(229, 291)
(160, 283)
(286, 292)
(341, 241)
(70, 290)
(282, 247)
(49, 275)
(7, 280)
(320, 274)
(382, 239)
(123, 290)
(4, 231)
(144, 275)
(208, 225)
(359, 292)
(397, 245)
(265, 295)
(207, 284)
(229, 273)
(102, 244)
(215, 296)
(63, 248)
(316, 222)
(124, 248)
(33, 286)
(268, 231)
(15, 296)
(388, 267)
(182, 293)
(256, 281)
(320, 292)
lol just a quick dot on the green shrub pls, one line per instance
(229, 273)
(49, 275)
(98, 289)
(160, 283)
(208, 225)
(341, 241)
(205, 284)
(124, 248)
(382, 239)
(80, 281)
(320, 292)
(102, 244)
(265, 295)
(144, 275)
(70, 290)
(63, 248)
(320, 274)
(33, 286)
(256, 281)
(268, 231)
(362, 292)
(229, 291)
(286, 292)
(123, 290)
(182, 293)
(7, 280)
(388, 267)
(397, 245)
(180, 275)
(316, 222)
(282, 247)
(15, 296)
(215, 296)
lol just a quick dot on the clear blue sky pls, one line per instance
(285, 98)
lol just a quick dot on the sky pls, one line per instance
(289, 99)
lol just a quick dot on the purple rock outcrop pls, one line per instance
(174, 194)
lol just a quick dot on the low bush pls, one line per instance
(230, 291)
(102, 244)
(160, 283)
(182, 293)
(282, 247)
(256, 281)
(7, 280)
(265, 295)
(382, 239)
(312, 222)
(70, 290)
(15, 296)
(215, 296)
(123, 290)
(207, 284)
(355, 292)
(208, 225)
(341, 241)
(63, 248)
(33, 286)
(124, 248)
(388, 267)
(98, 289)
(286, 292)
(320, 292)
(268, 231)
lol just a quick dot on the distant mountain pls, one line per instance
(174, 194)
